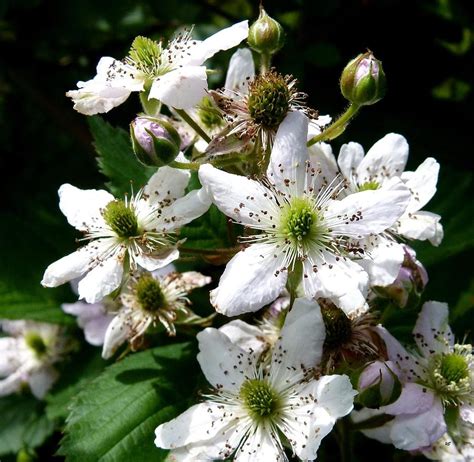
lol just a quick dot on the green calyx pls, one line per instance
(300, 221)
(145, 55)
(269, 99)
(337, 324)
(259, 398)
(36, 343)
(453, 367)
(121, 218)
(209, 114)
(149, 294)
(369, 186)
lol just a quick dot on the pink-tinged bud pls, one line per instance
(155, 142)
(363, 80)
(266, 36)
(378, 385)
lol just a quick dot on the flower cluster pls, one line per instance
(322, 249)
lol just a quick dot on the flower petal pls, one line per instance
(42, 380)
(384, 160)
(335, 394)
(117, 333)
(241, 70)
(322, 157)
(432, 332)
(224, 363)
(288, 161)
(254, 272)
(421, 226)
(239, 197)
(9, 355)
(262, 445)
(350, 156)
(246, 336)
(157, 260)
(181, 88)
(300, 345)
(414, 399)
(167, 184)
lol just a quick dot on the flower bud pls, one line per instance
(155, 142)
(266, 36)
(363, 80)
(378, 385)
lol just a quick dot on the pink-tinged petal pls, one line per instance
(414, 431)
(466, 411)
(181, 88)
(414, 399)
(300, 345)
(239, 197)
(241, 70)
(432, 332)
(246, 336)
(167, 184)
(422, 183)
(102, 280)
(350, 156)
(220, 41)
(385, 159)
(117, 333)
(378, 372)
(254, 272)
(289, 157)
(157, 260)
(83, 208)
(42, 380)
(339, 279)
(369, 212)
(421, 226)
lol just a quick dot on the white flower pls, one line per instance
(299, 223)
(130, 233)
(457, 447)
(253, 404)
(149, 299)
(175, 75)
(28, 354)
(439, 374)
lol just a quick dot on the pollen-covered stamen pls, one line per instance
(36, 343)
(121, 218)
(369, 186)
(145, 55)
(149, 294)
(337, 324)
(260, 399)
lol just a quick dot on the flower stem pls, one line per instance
(345, 440)
(151, 107)
(185, 165)
(193, 124)
(337, 127)
(265, 61)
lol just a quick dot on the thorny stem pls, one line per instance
(337, 127)
(193, 124)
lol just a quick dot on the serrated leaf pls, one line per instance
(114, 417)
(116, 158)
(25, 424)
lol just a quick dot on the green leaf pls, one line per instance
(114, 417)
(24, 424)
(116, 158)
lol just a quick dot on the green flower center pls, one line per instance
(453, 367)
(36, 343)
(259, 398)
(121, 218)
(299, 221)
(369, 186)
(269, 99)
(209, 114)
(149, 294)
(145, 55)
(337, 324)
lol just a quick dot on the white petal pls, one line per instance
(410, 432)
(369, 212)
(254, 272)
(184, 210)
(182, 88)
(466, 411)
(102, 280)
(189, 280)
(9, 355)
(322, 157)
(381, 433)
(261, 446)
(421, 226)
(422, 183)
(199, 423)
(239, 197)
(385, 159)
(117, 74)
(414, 399)
(117, 333)
(12, 383)
(224, 363)
(300, 345)
(246, 336)
(382, 261)
(167, 184)
(222, 40)
(335, 394)
(159, 260)
(69, 267)
(287, 168)
(432, 332)
(91, 99)
(339, 279)
(241, 70)
(350, 156)
(42, 380)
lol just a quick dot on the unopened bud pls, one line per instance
(378, 385)
(363, 80)
(266, 36)
(155, 142)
